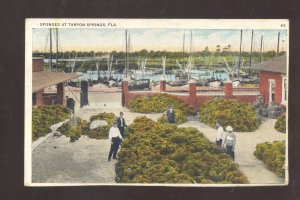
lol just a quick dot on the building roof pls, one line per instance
(273, 65)
(43, 79)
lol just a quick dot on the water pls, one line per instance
(155, 77)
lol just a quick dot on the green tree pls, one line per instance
(143, 53)
(91, 53)
(206, 51)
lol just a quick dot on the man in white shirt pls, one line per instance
(115, 138)
(219, 134)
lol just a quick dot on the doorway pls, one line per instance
(272, 87)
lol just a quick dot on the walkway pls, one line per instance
(56, 160)
(253, 168)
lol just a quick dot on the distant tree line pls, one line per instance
(206, 57)
(224, 51)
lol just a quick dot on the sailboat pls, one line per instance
(237, 76)
(141, 70)
(133, 82)
(181, 75)
(212, 82)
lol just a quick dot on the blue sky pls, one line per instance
(156, 39)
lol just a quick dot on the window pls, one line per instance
(284, 90)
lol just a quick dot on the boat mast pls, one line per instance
(261, 44)
(50, 59)
(129, 52)
(277, 52)
(98, 69)
(191, 43)
(250, 60)
(126, 70)
(191, 50)
(107, 62)
(111, 58)
(240, 53)
(56, 48)
(164, 68)
(183, 60)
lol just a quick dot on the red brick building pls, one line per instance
(43, 79)
(273, 80)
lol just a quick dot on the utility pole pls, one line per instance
(277, 52)
(240, 53)
(50, 61)
(250, 60)
(261, 45)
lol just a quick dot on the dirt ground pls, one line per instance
(56, 160)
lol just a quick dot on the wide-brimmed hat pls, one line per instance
(229, 129)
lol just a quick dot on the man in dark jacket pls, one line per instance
(121, 124)
(171, 114)
(70, 103)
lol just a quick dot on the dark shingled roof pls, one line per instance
(273, 65)
(43, 79)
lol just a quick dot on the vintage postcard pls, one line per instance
(168, 102)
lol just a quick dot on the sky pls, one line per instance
(107, 40)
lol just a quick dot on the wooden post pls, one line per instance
(162, 85)
(125, 91)
(60, 94)
(39, 98)
(192, 93)
(228, 89)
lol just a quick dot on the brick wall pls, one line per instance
(49, 99)
(264, 85)
(190, 98)
(39, 98)
(58, 98)
(37, 64)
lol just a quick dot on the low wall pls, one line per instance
(194, 96)
(50, 99)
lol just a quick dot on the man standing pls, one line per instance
(115, 138)
(121, 124)
(219, 135)
(70, 103)
(230, 141)
(171, 114)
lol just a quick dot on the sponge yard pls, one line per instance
(158, 105)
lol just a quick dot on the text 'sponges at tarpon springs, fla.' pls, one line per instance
(78, 24)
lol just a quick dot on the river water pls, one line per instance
(155, 77)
